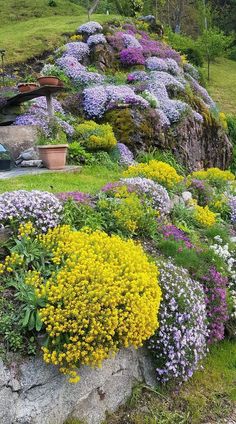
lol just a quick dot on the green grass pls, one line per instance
(222, 85)
(88, 180)
(208, 397)
(23, 40)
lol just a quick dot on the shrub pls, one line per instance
(180, 343)
(41, 208)
(96, 136)
(77, 154)
(186, 46)
(158, 171)
(156, 194)
(214, 176)
(127, 214)
(103, 296)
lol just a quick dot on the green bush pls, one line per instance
(94, 136)
(186, 46)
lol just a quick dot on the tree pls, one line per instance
(213, 44)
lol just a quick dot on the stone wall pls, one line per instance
(32, 392)
(18, 138)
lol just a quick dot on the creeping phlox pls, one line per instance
(158, 171)
(102, 295)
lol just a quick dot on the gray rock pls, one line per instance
(32, 163)
(186, 196)
(36, 393)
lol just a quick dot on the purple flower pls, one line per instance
(215, 296)
(77, 196)
(126, 156)
(155, 193)
(96, 39)
(180, 342)
(78, 49)
(232, 205)
(132, 56)
(172, 232)
(41, 208)
(89, 28)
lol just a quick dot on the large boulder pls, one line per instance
(196, 145)
(32, 392)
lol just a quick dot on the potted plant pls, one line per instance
(53, 149)
(51, 75)
(28, 85)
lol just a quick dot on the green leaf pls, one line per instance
(26, 317)
(38, 324)
(31, 324)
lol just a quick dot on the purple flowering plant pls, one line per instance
(180, 342)
(41, 208)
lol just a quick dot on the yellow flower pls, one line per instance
(158, 171)
(204, 216)
(104, 296)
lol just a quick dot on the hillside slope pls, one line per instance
(22, 10)
(28, 30)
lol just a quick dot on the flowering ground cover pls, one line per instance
(133, 250)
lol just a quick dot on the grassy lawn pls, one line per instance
(88, 180)
(208, 397)
(25, 39)
(222, 85)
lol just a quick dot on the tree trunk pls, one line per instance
(93, 7)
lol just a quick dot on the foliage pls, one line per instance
(126, 214)
(77, 154)
(186, 46)
(213, 43)
(113, 318)
(96, 136)
(161, 155)
(215, 176)
(180, 343)
(158, 171)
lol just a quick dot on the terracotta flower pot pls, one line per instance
(53, 155)
(48, 80)
(26, 87)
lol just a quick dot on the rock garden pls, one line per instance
(133, 282)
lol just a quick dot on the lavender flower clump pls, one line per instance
(131, 41)
(37, 115)
(41, 208)
(232, 205)
(70, 66)
(201, 92)
(215, 290)
(89, 28)
(99, 99)
(172, 232)
(137, 76)
(78, 49)
(126, 156)
(154, 192)
(77, 196)
(156, 64)
(172, 66)
(95, 100)
(96, 39)
(191, 70)
(132, 56)
(181, 340)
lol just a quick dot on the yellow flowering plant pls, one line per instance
(204, 217)
(215, 176)
(96, 136)
(91, 293)
(127, 214)
(158, 171)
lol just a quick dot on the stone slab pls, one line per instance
(32, 392)
(19, 172)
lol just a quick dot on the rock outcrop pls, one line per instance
(35, 393)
